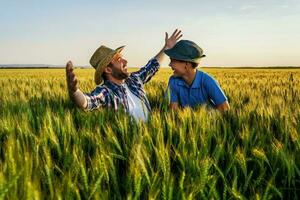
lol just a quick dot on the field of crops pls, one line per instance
(49, 149)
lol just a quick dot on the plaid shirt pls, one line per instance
(114, 96)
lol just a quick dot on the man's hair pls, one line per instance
(104, 74)
(110, 64)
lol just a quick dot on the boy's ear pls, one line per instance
(186, 65)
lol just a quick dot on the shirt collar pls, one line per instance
(196, 83)
(112, 86)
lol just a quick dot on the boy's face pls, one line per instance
(178, 67)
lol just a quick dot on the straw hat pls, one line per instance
(101, 58)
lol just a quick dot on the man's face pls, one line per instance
(178, 67)
(119, 67)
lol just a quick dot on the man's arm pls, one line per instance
(169, 43)
(75, 94)
(146, 72)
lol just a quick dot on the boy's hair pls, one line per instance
(194, 65)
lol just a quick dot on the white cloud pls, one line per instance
(248, 7)
(284, 6)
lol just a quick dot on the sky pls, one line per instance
(231, 32)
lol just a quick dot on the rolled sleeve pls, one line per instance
(148, 71)
(97, 98)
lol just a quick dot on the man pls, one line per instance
(188, 86)
(115, 86)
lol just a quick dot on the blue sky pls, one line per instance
(231, 32)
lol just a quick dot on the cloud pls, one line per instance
(248, 7)
(284, 6)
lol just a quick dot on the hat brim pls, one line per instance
(172, 54)
(101, 65)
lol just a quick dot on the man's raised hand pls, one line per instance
(171, 41)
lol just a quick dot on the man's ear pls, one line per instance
(107, 70)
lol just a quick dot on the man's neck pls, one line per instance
(190, 76)
(116, 81)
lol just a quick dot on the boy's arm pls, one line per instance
(223, 107)
(172, 95)
(174, 105)
(216, 93)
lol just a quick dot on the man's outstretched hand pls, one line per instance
(76, 95)
(71, 79)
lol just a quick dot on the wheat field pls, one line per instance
(49, 149)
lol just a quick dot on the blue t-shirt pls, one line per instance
(204, 90)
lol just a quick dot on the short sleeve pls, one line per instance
(214, 91)
(172, 91)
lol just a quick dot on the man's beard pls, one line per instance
(118, 74)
